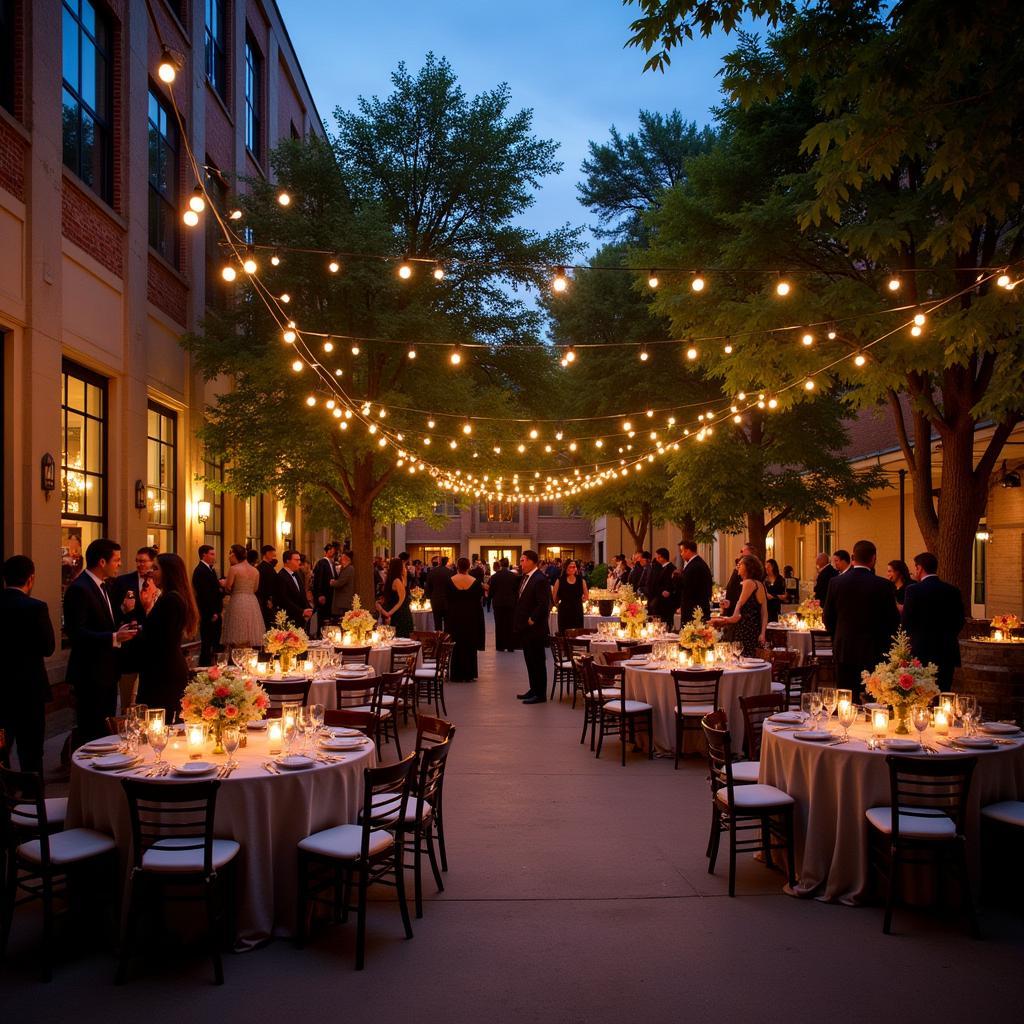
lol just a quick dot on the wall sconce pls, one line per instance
(285, 529)
(982, 532)
(47, 474)
(202, 511)
(140, 495)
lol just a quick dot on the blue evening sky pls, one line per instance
(563, 59)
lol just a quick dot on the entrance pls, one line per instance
(491, 555)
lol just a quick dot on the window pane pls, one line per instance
(88, 15)
(69, 117)
(89, 150)
(94, 400)
(69, 45)
(87, 88)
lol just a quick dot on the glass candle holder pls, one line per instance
(940, 720)
(879, 721)
(275, 735)
(195, 739)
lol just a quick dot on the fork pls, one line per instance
(271, 767)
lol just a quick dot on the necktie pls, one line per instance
(522, 586)
(106, 597)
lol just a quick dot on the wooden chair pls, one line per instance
(354, 694)
(634, 646)
(617, 716)
(561, 676)
(370, 697)
(924, 823)
(614, 658)
(430, 681)
(780, 661)
(286, 691)
(776, 638)
(360, 855)
(822, 656)
(798, 680)
(696, 696)
(577, 649)
(571, 634)
(431, 731)
(430, 640)
(738, 809)
(594, 693)
(400, 656)
(354, 655)
(346, 718)
(173, 845)
(42, 863)
(755, 710)
(406, 664)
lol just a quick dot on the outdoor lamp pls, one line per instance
(202, 511)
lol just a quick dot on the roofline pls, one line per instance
(298, 64)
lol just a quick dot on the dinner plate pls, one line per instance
(108, 762)
(100, 747)
(294, 762)
(343, 743)
(353, 670)
(902, 744)
(339, 733)
(753, 663)
(635, 662)
(786, 717)
(967, 742)
(257, 726)
(403, 641)
(814, 735)
(1000, 728)
(195, 768)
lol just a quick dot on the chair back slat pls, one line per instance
(929, 787)
(756, 709)
(354, 693)
(385, 797)
(430, 731)
(430, 777)
(428, 639)
(609, 677)
(402, 656)
(697, 687)
(286, 691)
(720, 756)
(354, 655)
(174, 818)
(342, 718)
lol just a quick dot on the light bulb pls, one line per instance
(285, 298)
(807, 340)
(382, 442)
(649, 414)
(338, 373)
(831, 335)
(166, 71)
(289, 336)
(453, 445)
(521, 448)
(331, 403)
(467, 427)
(355, 350)
(411, 353)
(919, 319)
(737, 418)
(197, 201)
(311, 401)
(773, 403)
(430, 424)
(782, 287)
(456, 355)
(559, 282)
(652, 280)
(809, 384)
(334, 266)
(644, 355)
(1003, 280)
(728, 348)
(893, 284)
(236, 214)
(229, 273)
(570, 355)
(297, 365)
(191, 218)
(691, 354)
(284, 199)
(249, 263)
(438, 272)
(627, 426)
(697, 283)
(533, 434)
(599, 443)
(916, 331)
(405, 271)
(328, 345)
(558, 435)
(275, 260)
(859, 359)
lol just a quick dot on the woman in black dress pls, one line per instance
(569, 595)
(751, 615)
(775, 585)
(899, 577)
(171, 618)
(462, 621)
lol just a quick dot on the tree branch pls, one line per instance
(901, 429)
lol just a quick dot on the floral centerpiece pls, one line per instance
(357, 622)
(219, 697)
(417, 596)
(901, 681)
(698, 636)
(1004, 625)
(285, 640)
(717, 594)
(810, 611)
(632, 611)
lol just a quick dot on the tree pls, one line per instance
(912, 160)
(424, 174)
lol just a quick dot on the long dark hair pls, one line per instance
(774, 567)
(174, 580)
(394, 572)
(899, 567)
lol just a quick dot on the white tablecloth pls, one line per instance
(657, 688)
(267, 814)
(798, 640)
(423, 619)
(323, 691)
(834, 785)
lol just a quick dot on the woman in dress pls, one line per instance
(243, 619)
(569, 595)
(394, 601)
(775, 586)
(171, 617)
(462, 621)
(751, 614)
(899, 577)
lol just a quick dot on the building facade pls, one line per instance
(100, 277)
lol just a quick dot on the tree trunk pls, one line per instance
(362, 555)
(687, 528)
(757, 535)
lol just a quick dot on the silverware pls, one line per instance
(271, 767)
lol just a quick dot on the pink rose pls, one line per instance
(209, 712)
(917, 663)
(214, 673)
(230, 711)
(249, 684)
(262, 701)
(906, 681)
(222, 691)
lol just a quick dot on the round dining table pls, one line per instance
(423, 619)
(266, 813)
(798, 640)
(835, 783)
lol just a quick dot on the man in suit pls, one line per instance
(324, 573)
(661, 589)
(29, 633)
(266, 590)
(530, 624)
(504, 589)
(637, 578)
(94, 629)
(826, 574)
(861, 614)
(695, 583)
(343, 586)
(291, 592)
(841, 560)
(436, 588)
(933, 615)
(124, 592)
(206, 585)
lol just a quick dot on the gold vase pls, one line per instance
(902, 719)
(287, 660)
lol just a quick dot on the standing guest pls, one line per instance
(530, 624)
(792, 585)
(172, 617)
(477, 569)
(437, 590)
(553, 571)
(503, 590)
(124, 592)
(252, 557)
(343, 586)
(841, 561)
(775, 587)
(620, 571)
(860, 613)
(899, 576)
(661, 587)
(569, 595)
(393, 605)
(750, 617)
(826, 574)
(267, 590)
(305, 574)
(462, 615)
(243, 619)
(488, 603)
(638, 573)
(209, 592)
(695, 583)
(735, 585)
(933, 615)
(28, 642)
(324, 573)
(291, 594)
(92, 623)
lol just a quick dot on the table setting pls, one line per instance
(798, 636)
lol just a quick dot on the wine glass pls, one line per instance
(921, 716)
(139, 715)
(848, 713)
(158, 741)
(829, 700)
(816, 705)
(316, 713)
(806, 704)
(965, 708)
(230, 738)
(221, 659)
(239, 655)
(301, 728)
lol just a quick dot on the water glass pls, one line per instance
(221, 659)
(816, 704)
(806, 704)
(230, 737)
(158, 741)
(921, 716)
(966, 704)
(829, 699)
(848, 713)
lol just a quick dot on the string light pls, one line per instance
(534, 434)
(335, 265)
(728, 347)
(191, 218)
(570, 355)
(773, 403)
(167, 68)
(1003, 280)
(438, 272)
(809, 384)
(652, 280)
(697, 282)
(894, 283)
(807, 340)
(283, 198)
(355, 350)
(311, 401)
(918, 327)
(288, 336)
(197, 201)
(275, 259)
(859, 359)
(328, 346)
(249, 263)
(456, 355)
(297, 365)
(405, 270)
(644, 354)
(236, 214)
(411, 354)
(782, 287)
(832, 335)
(285, 298)
(691, 353)
(560, 282)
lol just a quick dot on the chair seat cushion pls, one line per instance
(699, 710)
(343, 842)
(755, 797)
(745, 771)
(24, 815)
(384, 713)
(1009, 812)
(75, 844)
(169, 859)
(425, 673)
(632, 706)
(934, 826)
(607, 693)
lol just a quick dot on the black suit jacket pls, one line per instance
(436, 587)
(638, 578)
(503, 589)
(90, 627)
(323, 574)
(533, 606)
(28, 641)
(860, 613)
(266, 590)
(163, 671)
(291, 596)
(733, 589)
(118, 588)
(695, 585)
(208, 591)
(660, 579)
(825, 577)
(933, 615)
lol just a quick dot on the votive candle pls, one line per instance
(880, 721)
(195, 738)
(941, 721)
(275, 736)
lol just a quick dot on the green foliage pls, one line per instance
(598, 577)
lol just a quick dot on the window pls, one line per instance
(213, 528)
(86, 96)
(254, 522)
(161, 457)
(253, 98)
(163, 179)
(83, 465)
(216, 294)
(499, 512)
(553, 551)
(216, 38)
(980, 572)
(447, 506)
(8, 54)
(546, 510)
(825, 536)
